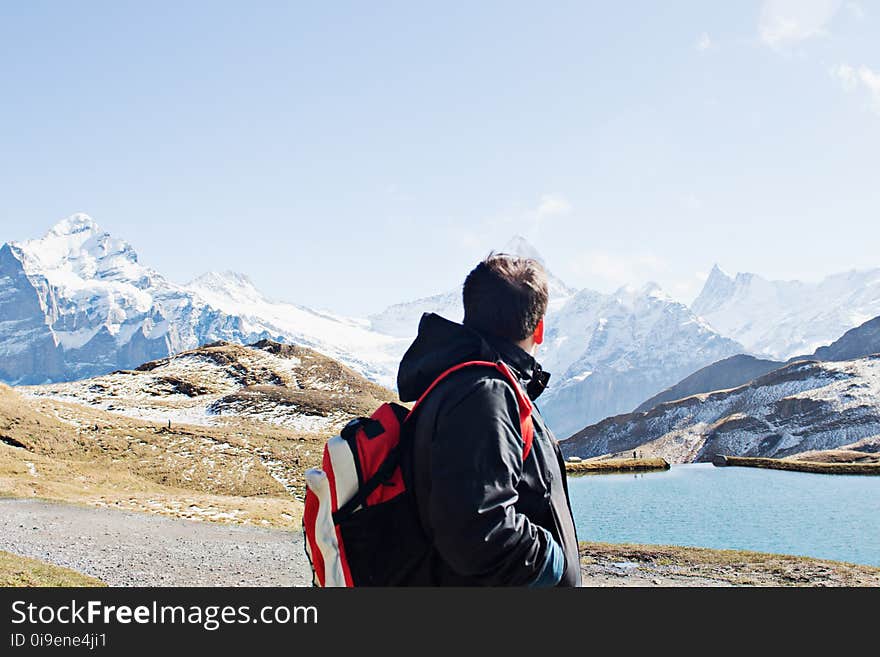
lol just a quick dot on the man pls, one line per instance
(492, 517)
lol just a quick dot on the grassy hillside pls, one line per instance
(260, 416)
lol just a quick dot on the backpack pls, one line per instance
(361, 521)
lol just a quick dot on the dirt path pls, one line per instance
(123, 548)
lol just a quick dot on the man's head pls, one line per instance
(507, 296)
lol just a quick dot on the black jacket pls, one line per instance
(492, 518)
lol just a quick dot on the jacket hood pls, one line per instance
(441, 344)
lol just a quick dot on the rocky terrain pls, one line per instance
(604, 564)
(721, 375)
(267, 381)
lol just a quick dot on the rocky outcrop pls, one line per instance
(28, 352)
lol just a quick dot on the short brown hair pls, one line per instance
(505, 295)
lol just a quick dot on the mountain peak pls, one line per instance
(654, 290)
(717, 272)
(719, 286)
(520, 246)
(76, 223)
(77, 244)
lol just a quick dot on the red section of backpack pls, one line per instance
(372, 452)
(310, 517)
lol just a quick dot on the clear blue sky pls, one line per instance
(351, 155)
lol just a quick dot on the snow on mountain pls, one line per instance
(350, 341)
(77, 303)
(607, 350)
(804, 406)
(402, 319)
(780, 319)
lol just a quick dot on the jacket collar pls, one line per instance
(441, 344)
(524, 365)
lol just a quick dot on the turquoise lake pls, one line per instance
(826, 516)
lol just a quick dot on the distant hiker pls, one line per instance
(492, 516)
(634, 455)
(169, 424)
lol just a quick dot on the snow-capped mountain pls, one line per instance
(78, 303)
(781, 319)
(606, 352)
(803, 406)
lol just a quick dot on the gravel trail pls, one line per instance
(124, 548)
(137, 549)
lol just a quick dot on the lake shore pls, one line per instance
(817, 467)
(605, 466)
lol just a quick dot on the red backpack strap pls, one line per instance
(522, 400)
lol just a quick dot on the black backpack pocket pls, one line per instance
(383, 543)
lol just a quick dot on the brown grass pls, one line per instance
(22, 571)
(210, 473)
